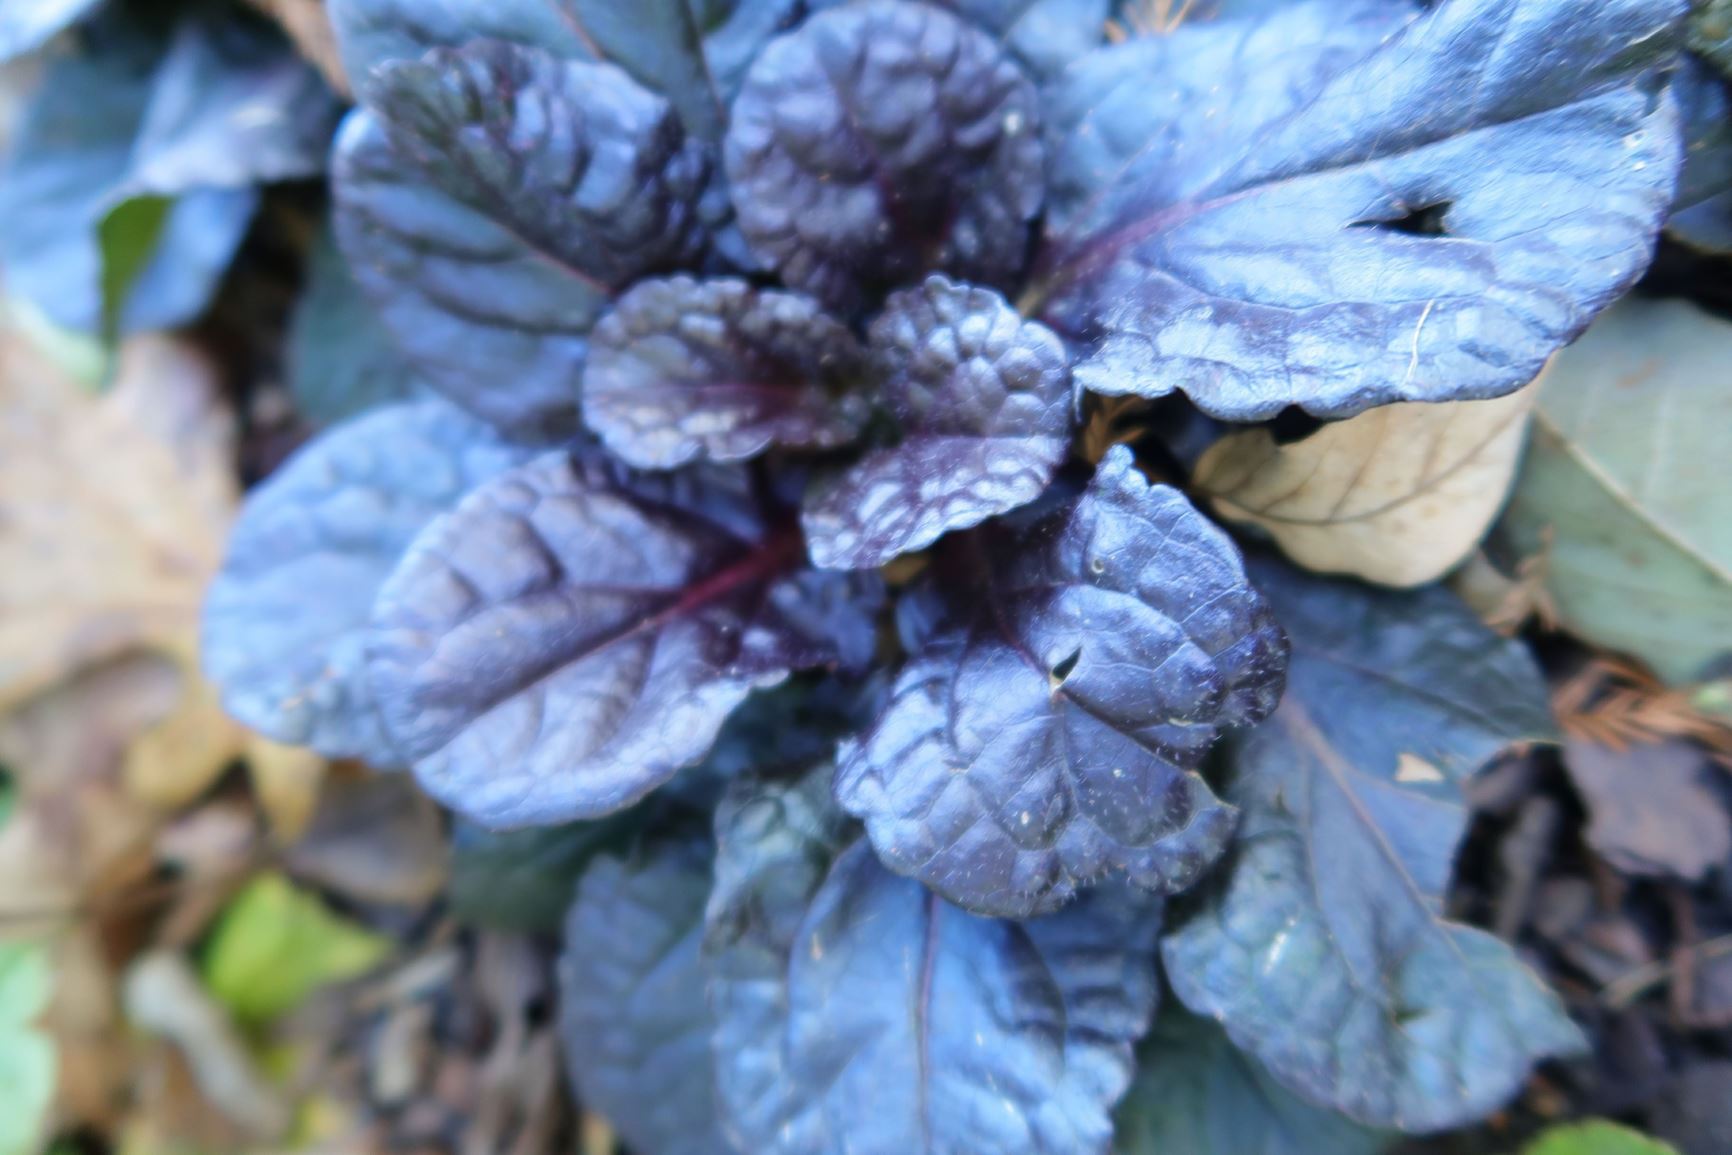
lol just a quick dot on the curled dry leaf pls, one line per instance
(1399, 495)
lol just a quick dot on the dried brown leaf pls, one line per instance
(1398, 495)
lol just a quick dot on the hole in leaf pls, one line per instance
(1062, 668)
(1424, 220)
(1293, 424)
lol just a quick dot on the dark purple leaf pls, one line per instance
(285, 621)
(571, 636)
(692, 51)
(1321, 943)
(984, 401)
(1275, 222)
(1049, 735)
(1045, 35)
(496, 202)
(633, 1015)
(857, 1011)
(683, 369)
(882, 140)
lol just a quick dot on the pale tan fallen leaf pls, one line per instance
(113, 514)
(173, 761)
(286, 782)
(1398, 495)
(75, 823)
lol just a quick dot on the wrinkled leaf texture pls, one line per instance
(683, 369)
(880, 141)
(572, 635)
(633, 1010)
(857, 1011)
(983, 399)
(494, 204)
(1343, 205)
(1321, 943)
(285, 621)
(1045, 35)
(1049, 733)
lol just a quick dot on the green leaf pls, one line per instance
(1197, 1094)
(523, 880)
(27, 1056)
(1626, 473)
(276, 944)
(1596, 1138)
(127, 237)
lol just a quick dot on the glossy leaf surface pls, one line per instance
(494, 205)
(880, 141)
(683, 369)
(285, 622)
(1049, 733)
(633, 1015)
(984, 402)
(857, 1011)
(1361, 222)
(571, 635)
(1321, 943)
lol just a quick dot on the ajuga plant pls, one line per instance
(750, 500)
